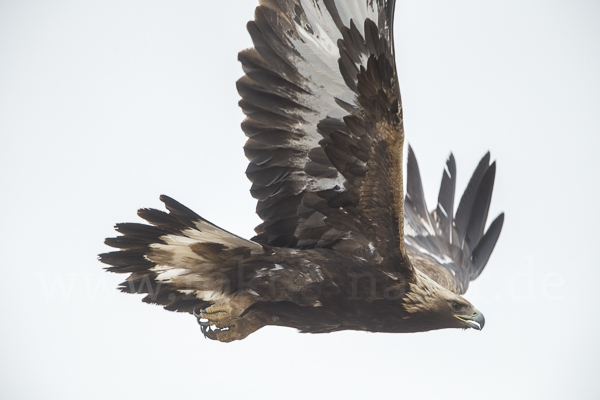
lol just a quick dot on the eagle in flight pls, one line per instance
(340, 247)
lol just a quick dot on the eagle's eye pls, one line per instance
(455, 306)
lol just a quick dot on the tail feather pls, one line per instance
(167, 222)
(124, 259)
(129, 243)
(140, 231)
(181, 212)
(180, 261)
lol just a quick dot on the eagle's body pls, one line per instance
(324, 121)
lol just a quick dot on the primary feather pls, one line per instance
(451, 249)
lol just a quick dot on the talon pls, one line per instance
(208, 333)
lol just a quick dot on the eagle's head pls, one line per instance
(435, 307)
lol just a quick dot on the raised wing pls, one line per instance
(451, 248)
(324, 122)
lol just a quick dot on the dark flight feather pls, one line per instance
(415, 198)
(463, 211)
(445, 206)
(481, 254)
(480, 208)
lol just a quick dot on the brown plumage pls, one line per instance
(325, 144)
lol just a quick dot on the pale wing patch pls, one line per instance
(316, 43)
(358, 11)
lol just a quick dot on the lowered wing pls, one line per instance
(451, 248)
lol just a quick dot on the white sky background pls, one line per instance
(104, 105)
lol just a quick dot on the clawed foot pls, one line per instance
(225, 325)
(216, 323)
(225, 322)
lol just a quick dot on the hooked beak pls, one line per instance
(475, 320)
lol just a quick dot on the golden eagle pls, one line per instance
(339, 247)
